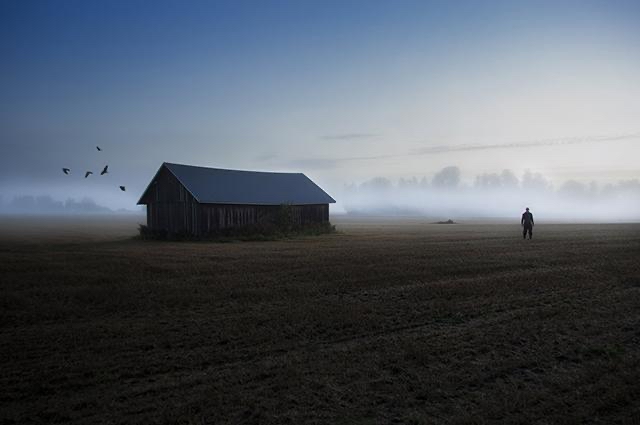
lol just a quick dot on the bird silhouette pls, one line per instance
(122, 188)
(66, 170)
(104, 170)
(98, 147)
(87, 174)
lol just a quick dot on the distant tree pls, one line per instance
(447, 178)
(608, 190)
(23, 203)
(509, 180)
(408, 183)
(46, 204)
(629, 185)
(85, 205)
(350, 187)
(623, 188)
(488, 181)
(535, 182)
(573, 189)
(377, 183)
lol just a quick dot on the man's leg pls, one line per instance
(530, 232)
(524, 232)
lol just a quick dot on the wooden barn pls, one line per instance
(200, 200)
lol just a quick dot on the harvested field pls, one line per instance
(382, 322)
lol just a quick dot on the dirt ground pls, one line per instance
(386, 321)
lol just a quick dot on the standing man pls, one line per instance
(527, 224)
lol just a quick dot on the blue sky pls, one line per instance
(343, 91)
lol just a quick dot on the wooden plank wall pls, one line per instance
(171, 207)
(219, 216)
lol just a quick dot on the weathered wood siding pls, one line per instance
(172, 208)
(219, 216)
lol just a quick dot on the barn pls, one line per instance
(200, 200)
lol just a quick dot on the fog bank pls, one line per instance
(47, 205)
(493, 195)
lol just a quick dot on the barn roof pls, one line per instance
(220, 186)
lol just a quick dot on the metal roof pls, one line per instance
(220, 186)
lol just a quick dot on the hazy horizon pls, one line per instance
(445, 195)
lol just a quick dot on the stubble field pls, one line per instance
(383, 322)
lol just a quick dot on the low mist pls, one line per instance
(502, 195)
(47, 205)
(493, 195)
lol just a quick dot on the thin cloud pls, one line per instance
(323, 163)
(519, 145)
(350, 136)
(326, 163)
(310, 163)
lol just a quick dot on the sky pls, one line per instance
(343, 91)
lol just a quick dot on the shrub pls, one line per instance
(446, 222)
(284, 221)
(144, 232)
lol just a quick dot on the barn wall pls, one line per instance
(220, 216)
(170, 206)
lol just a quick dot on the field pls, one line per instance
(383, 322)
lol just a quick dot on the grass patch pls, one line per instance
(281, 226)
(268, 232)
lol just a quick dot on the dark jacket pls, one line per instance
(527, 219)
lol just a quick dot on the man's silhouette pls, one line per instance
(527, 224)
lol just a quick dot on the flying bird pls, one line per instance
(66, 170)
(122, 188)
(98, 147)
(104, 170)
(87, 174)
